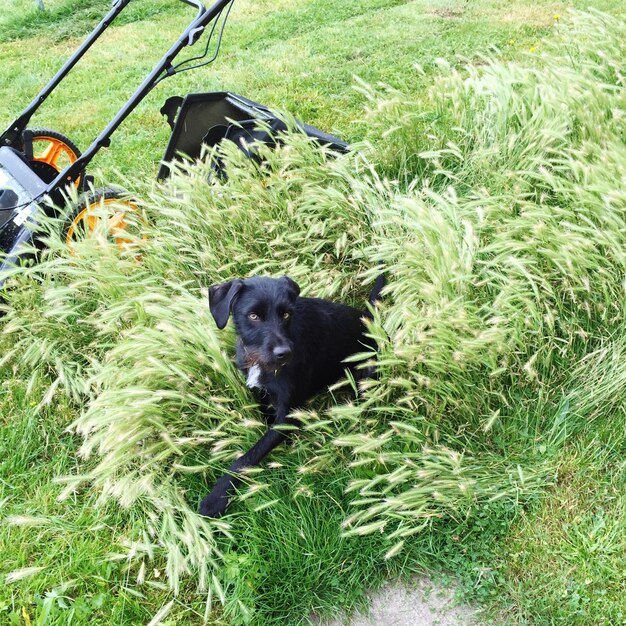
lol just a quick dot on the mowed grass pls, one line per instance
(556, 560)
(298, 56)
(564, 563)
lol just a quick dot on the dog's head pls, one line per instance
(262, 309)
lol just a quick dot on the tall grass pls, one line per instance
(497, 211)
(507, 262)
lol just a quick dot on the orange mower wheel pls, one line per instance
(53, 151)
(105, 212)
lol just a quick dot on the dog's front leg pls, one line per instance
(216, 502)
(268, 413)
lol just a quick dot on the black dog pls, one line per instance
(290, 348)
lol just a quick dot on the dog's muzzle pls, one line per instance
(275, 359)
(282, 354)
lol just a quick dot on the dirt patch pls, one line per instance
(545, 15)
(447, 13)
(420, 604)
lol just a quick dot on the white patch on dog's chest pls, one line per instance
(254, 377)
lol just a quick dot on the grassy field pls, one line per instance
(292, 55)
(490, 451)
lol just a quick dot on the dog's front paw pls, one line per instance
(213, 505)
(216, 502)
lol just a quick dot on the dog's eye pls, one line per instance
(286, 315)
(253, 316)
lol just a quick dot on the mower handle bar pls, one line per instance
(12, 136)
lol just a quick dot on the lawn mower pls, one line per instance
(38, 165)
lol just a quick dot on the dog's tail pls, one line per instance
(377, 289)
(379, 284)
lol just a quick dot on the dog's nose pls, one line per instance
(281, 353)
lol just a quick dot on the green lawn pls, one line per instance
(545, 545)
(301, 56)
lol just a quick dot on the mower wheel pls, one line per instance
(52, 153)
(113, 205)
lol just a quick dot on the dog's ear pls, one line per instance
(221, 298)
(292, 286)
